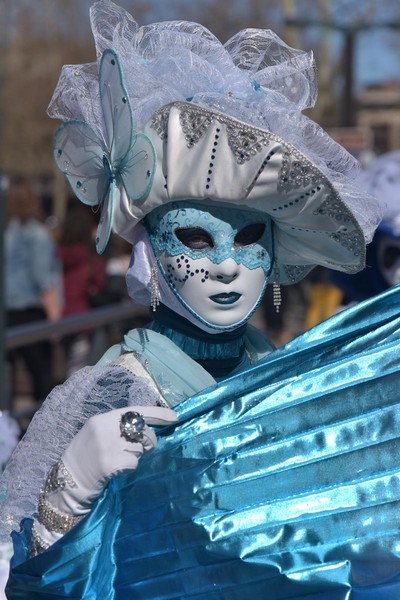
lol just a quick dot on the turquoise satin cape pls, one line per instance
(280, 482)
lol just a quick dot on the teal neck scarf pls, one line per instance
(221, 354)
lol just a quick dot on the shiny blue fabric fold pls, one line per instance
(280, 482)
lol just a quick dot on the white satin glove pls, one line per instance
(99, 450)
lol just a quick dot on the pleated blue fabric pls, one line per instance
(280, 482)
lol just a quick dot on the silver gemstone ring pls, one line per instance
(131, 426)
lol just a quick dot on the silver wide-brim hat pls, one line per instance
(170, 114)
(208, 156)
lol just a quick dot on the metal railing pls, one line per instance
(23, 335)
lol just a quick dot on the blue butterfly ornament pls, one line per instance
(99, 165)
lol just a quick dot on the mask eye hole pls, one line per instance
(195, 238)
(250, 234)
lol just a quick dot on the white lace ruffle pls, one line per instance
(9, 434)
(86, 393)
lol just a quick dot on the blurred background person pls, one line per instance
(382, 179)
(33, 290)
(283, 322)
(323, 297)
(84, 277)
(118, 258)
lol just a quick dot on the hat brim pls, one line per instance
(205, 155)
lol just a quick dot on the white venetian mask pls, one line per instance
(217, 261)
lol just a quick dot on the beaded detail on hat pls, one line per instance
(154, 288)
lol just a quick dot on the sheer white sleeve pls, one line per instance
(90, 391)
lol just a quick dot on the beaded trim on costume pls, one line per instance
(53, 519)
(37, 544)
(333, 208)
(296, 171)
(58, 478)
(296, 272)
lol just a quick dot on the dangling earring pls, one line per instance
(277, 296)
(154, 288)
(276, 288)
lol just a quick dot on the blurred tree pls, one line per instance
(45, 34)
(225, 19)
(37, 48)
(348, 18)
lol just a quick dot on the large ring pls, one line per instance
(131, 426)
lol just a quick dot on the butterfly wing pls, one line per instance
(78, 152)
(116, 106)
(106, 220)
(96, 167)
(137, 169)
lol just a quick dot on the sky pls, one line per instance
(377, 57)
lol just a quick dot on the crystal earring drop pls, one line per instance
(154, 288)
(277, 296)
(276, 289)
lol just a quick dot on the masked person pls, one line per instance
(382, 179)
(264, 476)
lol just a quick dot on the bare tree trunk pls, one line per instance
(324, 67)
(291, 33)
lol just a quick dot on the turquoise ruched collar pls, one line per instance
(221, 354)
